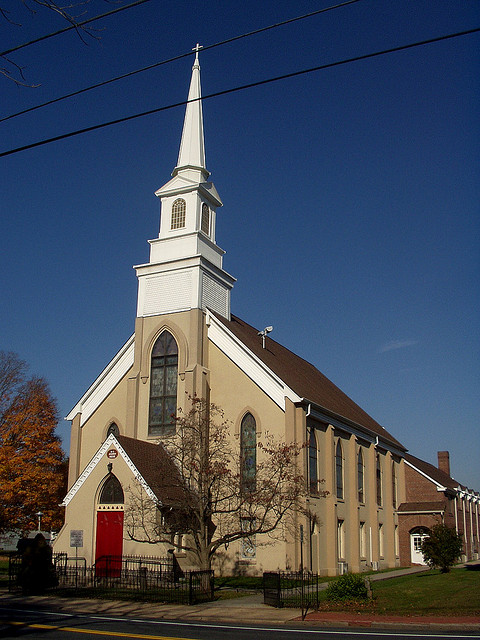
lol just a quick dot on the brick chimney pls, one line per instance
(444, 461)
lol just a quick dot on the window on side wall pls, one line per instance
(339, 470)
(379, 480)
(248, 453)
(360, 476)
(313, 463)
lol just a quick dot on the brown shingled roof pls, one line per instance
(433, 472)
(422, 506)
(305, 379)
(157, 468)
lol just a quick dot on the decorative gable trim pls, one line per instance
(111, 440)
(249, 363)
(105, 383)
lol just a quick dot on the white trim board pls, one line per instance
(105, 383)
(111, 440)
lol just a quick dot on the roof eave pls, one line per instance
(323, 414)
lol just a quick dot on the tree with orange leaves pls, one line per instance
(32, 463)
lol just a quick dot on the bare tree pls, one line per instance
(72, 13)
(208, 499)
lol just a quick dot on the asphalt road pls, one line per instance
(51, 625)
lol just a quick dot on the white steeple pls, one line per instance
(191, 156)
(185, 269)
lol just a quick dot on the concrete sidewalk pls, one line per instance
(244, 610)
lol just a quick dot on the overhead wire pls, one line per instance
(76, 25)
(241, 88)
(179, 57)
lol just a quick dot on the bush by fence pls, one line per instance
(350, 586)
(302, 589)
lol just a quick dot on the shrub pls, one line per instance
(351, 586)
(442, 548)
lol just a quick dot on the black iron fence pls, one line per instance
(139, 578)
(292, 589)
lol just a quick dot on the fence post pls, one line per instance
(190, 589)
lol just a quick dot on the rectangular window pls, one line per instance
(396, 542)
(340, 539)
(363, 540)
(381, 541)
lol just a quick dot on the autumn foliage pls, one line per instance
(32, 464)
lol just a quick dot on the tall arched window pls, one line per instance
(248, 453)
(178, 214)
(112, 492)
(379, 480)
(313, 463)
(339, 469)
(394, 485)
(205, 226)
(360, 475)
(163, 386)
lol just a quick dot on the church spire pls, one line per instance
(191, 157)
(185, 271)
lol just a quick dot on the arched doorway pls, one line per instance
(417, 536)
(109, 534)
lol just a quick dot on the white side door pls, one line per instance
(416, 540)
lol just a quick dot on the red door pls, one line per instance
(109, 544)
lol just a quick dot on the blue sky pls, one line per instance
(351, 196)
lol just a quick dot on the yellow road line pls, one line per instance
(113, 634)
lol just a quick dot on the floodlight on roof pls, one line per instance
(264, 334)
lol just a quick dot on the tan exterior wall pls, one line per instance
(237, 395)
(204, 369)
(81, 514)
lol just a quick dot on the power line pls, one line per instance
(183, 55)
(75, 25)
(240, 88)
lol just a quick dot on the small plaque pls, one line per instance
(112, 454)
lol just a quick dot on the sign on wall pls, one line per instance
(76, 538)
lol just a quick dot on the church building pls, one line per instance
(188, 343)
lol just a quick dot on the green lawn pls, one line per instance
(430, 593)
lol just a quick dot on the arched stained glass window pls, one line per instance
(360, 476)
(178, 213)
(112, 492)
(205, 226)
(163, 386)
(379, 480)
(248, 453)
(313, 463)
(339, 469)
